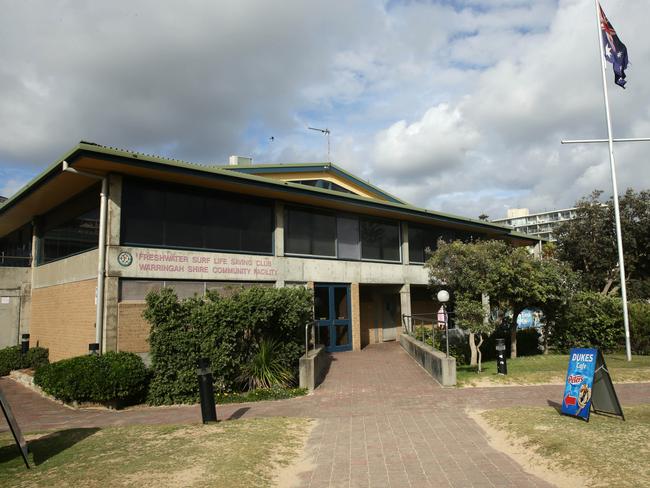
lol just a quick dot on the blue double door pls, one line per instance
(332, 314)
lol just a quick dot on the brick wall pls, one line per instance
(356, 316)
(63, 318)
(132, 329)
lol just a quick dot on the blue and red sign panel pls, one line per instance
(579, 382)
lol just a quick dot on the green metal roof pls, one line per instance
(307, 167)
(218, 172)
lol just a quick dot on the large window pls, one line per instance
(310, 232)
(162, 215)
(317, 233)
(423, 238)
(16, 248)
(71, 228)
(380, 240)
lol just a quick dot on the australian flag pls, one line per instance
(615, 50)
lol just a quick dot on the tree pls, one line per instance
(470, 315)
(512, 277)
(588, 242)
(470, 270)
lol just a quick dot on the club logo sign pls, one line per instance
(125, 259)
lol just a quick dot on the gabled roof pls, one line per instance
(264, 168)
(53, 186)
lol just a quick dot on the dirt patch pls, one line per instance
(527, 458)
(289, 475)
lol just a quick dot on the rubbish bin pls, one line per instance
(24, 345)
(502, 367)
(206, 391)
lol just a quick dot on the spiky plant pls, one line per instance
(265, 368)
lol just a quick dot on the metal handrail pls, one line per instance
(408, 322)
(22, 261)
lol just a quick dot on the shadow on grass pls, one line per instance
(239, 413)
(47, 446)
(557, 406)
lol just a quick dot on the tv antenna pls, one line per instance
(327, 133)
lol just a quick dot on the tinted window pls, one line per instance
(310, 232)
(191, 218)
(380, 240)
(423, 238)
(71, 228)
(347, 237)
(16, 248)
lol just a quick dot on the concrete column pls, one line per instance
(114, 210)
(279, 229)
(111, 283)
(355, 315)
(405, 303)
(405, 243)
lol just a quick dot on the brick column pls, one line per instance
(355, 315)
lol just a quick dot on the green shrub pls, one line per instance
(11, 358)
(265, 368)
(640, 326)
(111, 377)
(260, 394)
(37, 357)
(221, 329)
(589, 320)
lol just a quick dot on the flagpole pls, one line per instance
(617, 214)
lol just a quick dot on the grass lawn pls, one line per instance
(550, 369)
(237, 453)
(606, 450)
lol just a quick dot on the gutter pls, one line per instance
(101, 261)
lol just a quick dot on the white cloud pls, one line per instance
(455, 106)
(439, 141)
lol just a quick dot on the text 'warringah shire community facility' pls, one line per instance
(69, 282)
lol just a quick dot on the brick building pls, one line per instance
(91, 235)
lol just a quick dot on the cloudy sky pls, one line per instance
(456, 106)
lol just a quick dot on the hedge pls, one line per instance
(590, 319)
(11, 358)
(640, 326)
(226, 330)
(527, 344)
(111, 377)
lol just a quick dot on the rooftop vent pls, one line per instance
(240, 161)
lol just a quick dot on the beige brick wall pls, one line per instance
(132, 330)
(63, 318)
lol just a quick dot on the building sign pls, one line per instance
(190, 265)
(589, 386)
(529, 318)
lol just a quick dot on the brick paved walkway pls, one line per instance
(382, 422)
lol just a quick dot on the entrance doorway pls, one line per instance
(332, 314)
(389, 317)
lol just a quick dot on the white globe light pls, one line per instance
(443, 296)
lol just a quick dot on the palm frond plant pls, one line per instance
(265, 368)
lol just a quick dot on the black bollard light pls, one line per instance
(24, 345)
(93, 349)
(206, 391)
(502, 367)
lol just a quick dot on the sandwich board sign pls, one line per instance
(589, 386)
(21, 443)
